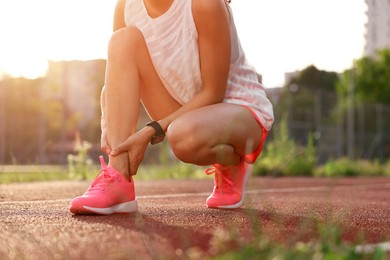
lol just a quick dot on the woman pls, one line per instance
(183, 61)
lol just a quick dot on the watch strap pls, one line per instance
(159, 133)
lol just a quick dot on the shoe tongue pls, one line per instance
(102, 162)
(225, 169)
(113, 172)
(108, 176)
(216, 168)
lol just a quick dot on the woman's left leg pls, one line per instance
(221, 135)
(217, 134)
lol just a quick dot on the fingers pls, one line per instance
(106, 149)
(119, 149)
(134, 162)
(104, 145)
(133, 168)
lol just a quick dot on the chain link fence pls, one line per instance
(358, 130)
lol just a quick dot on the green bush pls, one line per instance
(79, 164)
(386, 168)
(283, 157)
(347, 168)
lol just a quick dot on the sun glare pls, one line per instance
(23, 68)
(33, 32)
(278, 36)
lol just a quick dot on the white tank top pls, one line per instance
(172, 43)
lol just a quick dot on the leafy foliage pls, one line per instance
(313, 78)
(328, 245)
(79, 164)
(282, 156)
(20, 103)
(370, 77)
(347, 167)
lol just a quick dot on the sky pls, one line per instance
(278, 36)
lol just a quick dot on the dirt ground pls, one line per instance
(173, 222)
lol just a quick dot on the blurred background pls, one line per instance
(325, 66)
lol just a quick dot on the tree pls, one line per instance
(364, 95)
(371, 78)
(21, 119)
(311, 78)
(307, 90)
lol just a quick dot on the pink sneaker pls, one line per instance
(229, 185)
(109, 193)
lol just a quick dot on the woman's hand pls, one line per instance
(135, 146)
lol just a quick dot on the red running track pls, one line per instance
(173, 223)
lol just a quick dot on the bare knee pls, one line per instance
(124, 42)
(184, 142)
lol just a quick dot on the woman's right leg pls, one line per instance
(120, 96)
(130, 77)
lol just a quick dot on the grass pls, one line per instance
(327, 245)
(174, 171)
(316, 249)
(15, 177)
(32, 173)
(15, 174)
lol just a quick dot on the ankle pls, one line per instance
(121, 166)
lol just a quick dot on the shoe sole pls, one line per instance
(126, 207)
(239, 204)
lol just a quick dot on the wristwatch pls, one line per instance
(159, 133)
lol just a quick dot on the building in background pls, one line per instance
(72, 91)
(377, 26)
(78, 84)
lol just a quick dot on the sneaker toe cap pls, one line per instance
(220, 201)
(76, 205)
(213, 202)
